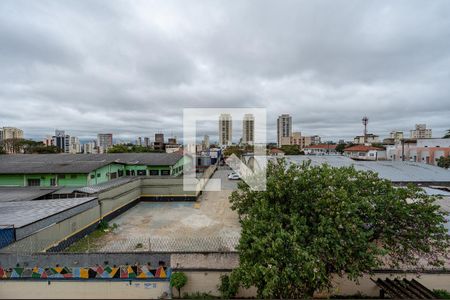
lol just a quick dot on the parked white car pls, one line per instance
(234, 176)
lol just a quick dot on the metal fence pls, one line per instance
(140, 244)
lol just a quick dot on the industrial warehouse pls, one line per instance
(158, 226)
(81, 170)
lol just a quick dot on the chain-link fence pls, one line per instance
(90, 244)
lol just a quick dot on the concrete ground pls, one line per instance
(207, 224)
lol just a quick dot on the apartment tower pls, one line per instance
(284, 130)
(225, 130)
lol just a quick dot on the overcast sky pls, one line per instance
(130, 67)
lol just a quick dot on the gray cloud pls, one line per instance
(130, 67)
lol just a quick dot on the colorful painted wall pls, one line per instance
(96, 272)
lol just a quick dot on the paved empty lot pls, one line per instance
(167, 225)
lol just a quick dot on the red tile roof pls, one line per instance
(361, 148)
(321, 146)
(275, 150)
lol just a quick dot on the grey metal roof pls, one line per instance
(78, 163)
(23, 193)
(106, 185)
(22, 213)
(396, 171)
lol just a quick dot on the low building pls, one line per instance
(421, 132)
(80, 170)
(322, 149)
(420, 150)
(368, 139)
(276, 152)
(363, 152)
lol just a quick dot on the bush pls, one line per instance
(228, 288)
(178, 280)
(442, 294)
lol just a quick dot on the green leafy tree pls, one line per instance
(313, 222)
(236, 150)
(444, 162)
(290, 149)
(178, 280)
(130, 148)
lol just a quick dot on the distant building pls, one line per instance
(74, 145)
(420, 150)
(368, 139)
(421, 132)
(146, 142)
(284, 130)
(90, 148)
(159, 141)
(322, 149)
(396, 135)
(315, 140)
(248, 129)
(303, 141)
(225, 130)
(8, 133)
(139, 141)
(104, 141)
(205, 142)
(8, 136)
(62, 141)
(363, 152)
(296, 139)
(276, 152)
(172, 141)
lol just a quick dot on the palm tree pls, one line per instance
(447, 135)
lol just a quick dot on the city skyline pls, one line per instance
(384, 63)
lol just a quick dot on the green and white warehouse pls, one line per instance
(75, 170)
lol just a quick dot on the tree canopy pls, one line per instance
(130, 148)
(290, 149)
(444, 162)
(313, 222)
(447, 135)
(27, 147)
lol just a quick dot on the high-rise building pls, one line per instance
(225, 130)
(205, 142)
(159, 141)
(104, 141)
(62, 141)
(139, 141)
(421, 132)
(248, 129)
(284, 130)
(8, 133)
(9, 137)
(74, 145)
(146, 142)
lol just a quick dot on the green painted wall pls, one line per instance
(105, 173)
(11, 180)
(44, 179)
(98, 176)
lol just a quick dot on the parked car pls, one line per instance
(234, 176)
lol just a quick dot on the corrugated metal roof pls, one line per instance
(22, 213)
(396, 171)
(79, 163)
(106, 185)
(23, 193)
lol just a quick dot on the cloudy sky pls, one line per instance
(130, 67)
